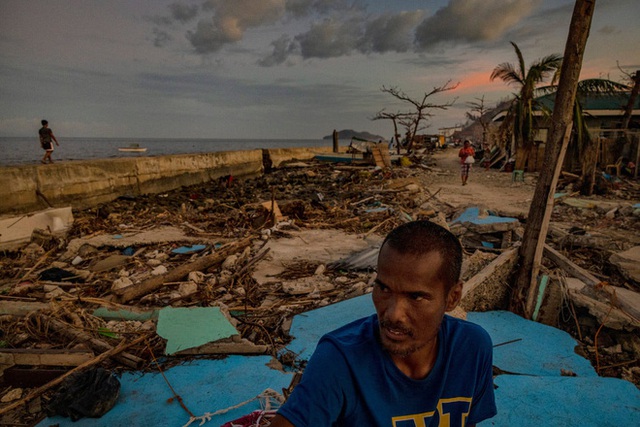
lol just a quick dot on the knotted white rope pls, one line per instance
(270, 400)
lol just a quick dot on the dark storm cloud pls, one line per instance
(472, 21)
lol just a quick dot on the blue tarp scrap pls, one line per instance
(205, 386)
(472, 215)
(540, 395)
(188, 249)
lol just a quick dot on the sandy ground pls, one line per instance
(491, 189)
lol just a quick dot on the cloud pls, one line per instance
(161, 38)
(282, 48)
(301, 8)
(183, 12)
(472, 21)
(608, 29)
(331, 38)
(230, 21)
(390, 32)
(340, 37)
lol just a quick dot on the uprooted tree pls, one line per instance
(414, 120)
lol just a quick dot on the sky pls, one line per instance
(276, 69)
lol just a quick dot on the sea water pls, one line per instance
(27, 150)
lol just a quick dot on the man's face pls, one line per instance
(410, 301)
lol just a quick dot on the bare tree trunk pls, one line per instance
(626, 118)
(526, 287)
(589, 162)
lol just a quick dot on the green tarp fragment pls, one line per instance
(186, 328)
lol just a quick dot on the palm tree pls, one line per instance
(521, 110)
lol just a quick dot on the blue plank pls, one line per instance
(472, 215)
(307, 328)
(539, 349)
(204, 385)
(565, 402)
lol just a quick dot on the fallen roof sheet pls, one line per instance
(529, 348)
(480, 222)
(540, 396)
(565, 402)
(536, 353)
(204, 386)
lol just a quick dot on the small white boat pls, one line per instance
(133, 148)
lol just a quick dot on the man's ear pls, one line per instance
(454, 296)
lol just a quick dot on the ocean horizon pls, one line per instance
(17, 151)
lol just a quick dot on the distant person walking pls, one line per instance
(47, 138)
(466, 155)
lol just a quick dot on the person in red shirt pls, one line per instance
(466, 152)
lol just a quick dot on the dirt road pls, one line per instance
(491, 189)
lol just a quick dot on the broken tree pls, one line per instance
(526, 286)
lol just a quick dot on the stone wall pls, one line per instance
(82, 184)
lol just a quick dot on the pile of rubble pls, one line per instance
(262, 250)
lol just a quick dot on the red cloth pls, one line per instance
(251, 419)
(465, 152)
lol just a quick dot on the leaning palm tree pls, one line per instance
(523, 105)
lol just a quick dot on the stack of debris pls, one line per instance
(222, 269)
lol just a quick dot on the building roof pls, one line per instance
(606, 104)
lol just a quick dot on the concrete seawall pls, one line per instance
(82, 184)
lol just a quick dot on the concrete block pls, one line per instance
(16, 231)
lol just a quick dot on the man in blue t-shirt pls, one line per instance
(409, 365)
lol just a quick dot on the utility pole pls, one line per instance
(525, 291)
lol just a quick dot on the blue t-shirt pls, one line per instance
(351, 380)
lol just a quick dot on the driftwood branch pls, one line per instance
(136, 291)
(97, 345)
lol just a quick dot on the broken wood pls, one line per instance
(21, 308)
(44, 357)
(98, 345)
(243, 346)
(138, 290)
(523, 297)
(502, 260)
(595, 287)
(123, 345)
(608, 316)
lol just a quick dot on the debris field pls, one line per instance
(262, 250)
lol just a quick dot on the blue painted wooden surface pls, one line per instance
(541, 397)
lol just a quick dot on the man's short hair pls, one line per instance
(44, 122)
(422, 237)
